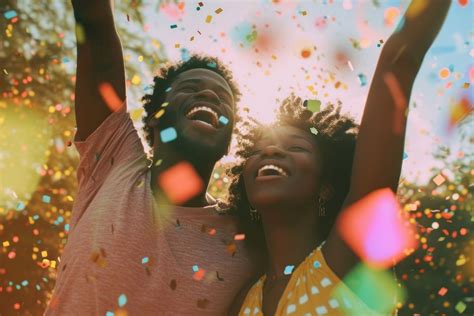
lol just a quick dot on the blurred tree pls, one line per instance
(38, 184)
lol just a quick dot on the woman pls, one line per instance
(297, 176)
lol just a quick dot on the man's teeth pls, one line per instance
(205, 109)
(272, 167)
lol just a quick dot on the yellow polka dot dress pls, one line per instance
(310, 291)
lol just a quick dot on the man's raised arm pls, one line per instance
(99, 61)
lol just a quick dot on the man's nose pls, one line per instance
(272, 151)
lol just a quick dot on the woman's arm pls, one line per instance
(379, 149)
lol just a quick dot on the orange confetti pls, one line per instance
(463, 3)
(458, 111)
(390, 15)
(180, 182)
(442, 291)
(377, 230)
(110, 96)
(439, 179)
(444, 73)
(199, 274)
(239, 237)
(305, 53)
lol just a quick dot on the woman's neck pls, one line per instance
(289, 238)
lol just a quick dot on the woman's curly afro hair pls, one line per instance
(153, 102)
(336, 137)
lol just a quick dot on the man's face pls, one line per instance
(201, 109)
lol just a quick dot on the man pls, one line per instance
(128, 250)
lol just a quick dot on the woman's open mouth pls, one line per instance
(270, 171)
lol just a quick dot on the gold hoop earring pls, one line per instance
(322, 207)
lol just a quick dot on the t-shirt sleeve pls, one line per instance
(114, 142)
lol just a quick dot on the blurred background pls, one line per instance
(321, 49)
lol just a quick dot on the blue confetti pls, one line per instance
(288, 269)
(405, 156)
(122, 300)
(317, 264)
(168, 89)
(185, 54)
(362, 79)
(66, 227)
(9, 14)
(195, 268)
(46, 199)
(224, 120)
(24, 283)
(145, 260)
(20, 206)
(212, 64)
(109, 313)
(168, 134)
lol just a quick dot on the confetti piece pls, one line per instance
(362, 79)
(168, 89)
(122, 300)
(314, 130)
(168, 134)
(444, 73)
(10, 14)
(159, 113)
(376, 230)
(405, 155)
(317, 264)
(180, 182)
(390, 15)
(288, 269)
(306, 53)
(459, 111)
(442, 291)
(313, 105)
(80, 34)
(223, 120)
(209, 19)
(110, 96)
(199, 274)
(46, 199)
(173, 26)
(376, 288)
(439, 179)
(136, 80)
(145, 260)
(212, 64)
(460, 307)
(239, 237)
(463, 3)
(219, 10)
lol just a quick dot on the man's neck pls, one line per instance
(166, 157)
(288, 241)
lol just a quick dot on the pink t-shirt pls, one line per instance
(125, 251)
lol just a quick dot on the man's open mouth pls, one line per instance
(204, 114)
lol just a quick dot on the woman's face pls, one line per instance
(284, 167)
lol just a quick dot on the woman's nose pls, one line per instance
(272, 150)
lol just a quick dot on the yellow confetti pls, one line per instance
(136, 114)
(80, 34)
(44, 253)
(209, 19)
(136, 80)
(159, 113)
(6, 243)
(177, 45)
